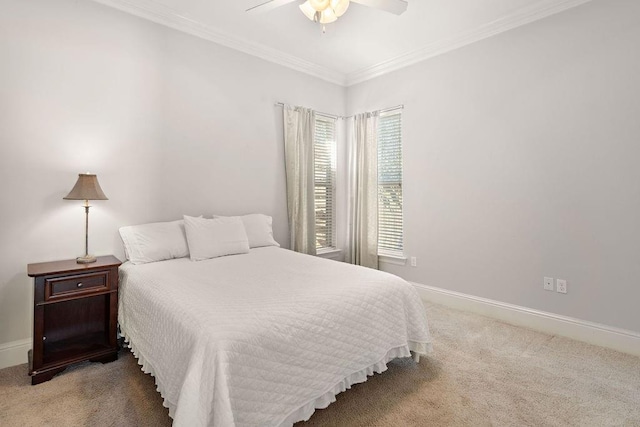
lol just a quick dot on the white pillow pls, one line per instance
(258, 228)
(211, 238)
(156, 241)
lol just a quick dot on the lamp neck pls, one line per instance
(86, 228)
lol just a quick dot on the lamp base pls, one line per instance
(87, 259)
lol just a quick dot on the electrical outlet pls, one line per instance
(414, 261)
(561, 286)
(548, 283)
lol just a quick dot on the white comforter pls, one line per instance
(262, 339)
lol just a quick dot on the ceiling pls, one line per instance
(362, 44)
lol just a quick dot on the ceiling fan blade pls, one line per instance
(267, 5)
(397, 7)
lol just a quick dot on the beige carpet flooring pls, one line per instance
(483, 373)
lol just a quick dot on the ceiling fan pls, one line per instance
(328, 11)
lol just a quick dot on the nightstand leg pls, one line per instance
(45, 376)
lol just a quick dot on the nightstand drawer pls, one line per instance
(81, 284)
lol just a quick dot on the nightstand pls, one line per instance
(75, 314)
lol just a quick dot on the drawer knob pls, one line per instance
(79, 285)
(44, 338)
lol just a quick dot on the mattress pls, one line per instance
(264, 338)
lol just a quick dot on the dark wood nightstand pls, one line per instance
(75, 315)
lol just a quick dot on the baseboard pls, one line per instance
(14, 353)
(581, 330)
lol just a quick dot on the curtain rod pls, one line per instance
(333, 116)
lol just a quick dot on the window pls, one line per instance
(324, 148)
(390, 233)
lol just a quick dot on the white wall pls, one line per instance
(171, 124)
(521, 161)
(520, 150)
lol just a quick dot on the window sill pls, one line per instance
(392, 259)
(330, 253)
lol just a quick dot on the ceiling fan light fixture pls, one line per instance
(319, 5)
(324, 11)
(339, 7)
(328, 11)
(308, 10)
(328, 16)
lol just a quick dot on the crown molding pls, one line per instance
(171, 18)
(519, 18)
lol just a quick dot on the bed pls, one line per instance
(266, 337)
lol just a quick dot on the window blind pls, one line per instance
(324, 176)
(390, 222)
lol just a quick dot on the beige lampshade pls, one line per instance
(86, 188)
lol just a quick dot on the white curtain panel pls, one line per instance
(363, 190)
(299, 124)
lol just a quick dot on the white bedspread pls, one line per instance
(264, 338)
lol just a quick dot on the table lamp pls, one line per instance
(86, 188)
